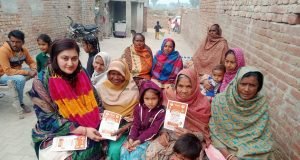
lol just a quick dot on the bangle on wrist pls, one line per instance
(228, 157)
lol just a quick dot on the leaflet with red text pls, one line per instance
(175, 115)
(69, 143)
(109, 124)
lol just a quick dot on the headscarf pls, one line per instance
(241, 126)
(240, 62)
(166, 66)
(148, 84)
(139, 61)
(97, 78)
(210, 53)
(198, 112)
(122, 98)
(76, 101)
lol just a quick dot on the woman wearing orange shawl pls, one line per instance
(139, 58)
(211, 52)
(186, 91)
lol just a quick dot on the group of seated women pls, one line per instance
(138, 86)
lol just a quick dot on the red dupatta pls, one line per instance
(76, 103)
(198, 112)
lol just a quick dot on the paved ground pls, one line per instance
(15, 134)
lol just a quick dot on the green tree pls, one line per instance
(194, 2)
(154, 2)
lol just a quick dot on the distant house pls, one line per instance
(124, 16)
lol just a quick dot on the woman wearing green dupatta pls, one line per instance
(240, 125)
(65, 103)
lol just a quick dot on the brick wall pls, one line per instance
(34, 17)
(269, 33)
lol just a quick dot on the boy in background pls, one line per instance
(157, 27)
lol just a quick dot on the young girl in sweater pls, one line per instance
(148, 118)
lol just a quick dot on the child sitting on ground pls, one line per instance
(148, 118)
(187, 147)
(214, 80)
(42, 59)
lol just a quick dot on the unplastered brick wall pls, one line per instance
(34, 17)
(269, 33)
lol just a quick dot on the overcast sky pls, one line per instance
(170, 1)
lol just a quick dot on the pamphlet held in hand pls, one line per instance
(69, 143)
(109, 124)
(175, 115)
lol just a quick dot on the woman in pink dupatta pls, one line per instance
(234, 60)
(197, 117)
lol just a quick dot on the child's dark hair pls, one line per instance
(92, 40)
(220, 67)
(188, 145)
(45, 38)
(156, 92)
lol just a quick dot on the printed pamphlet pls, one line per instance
(69, 143)
(175, 115)
(109, 124)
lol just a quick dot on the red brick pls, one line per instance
(280, 9)
(292, 60)
(291, 70)
(286, 78)
(282, 85)
(295, 93)
(279, 45)
(295, 155)
(296, 146)
(294, 50)
(293, 1)
(291, 29)
(292, 112)
(276, 102)
(269, 49)
(293, 19)
(290, 39)
(296, 9)
(277, 36)
(285, 1)
(291, 101)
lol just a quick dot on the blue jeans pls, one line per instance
(19, 81)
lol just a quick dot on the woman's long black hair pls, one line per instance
(56, 48)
